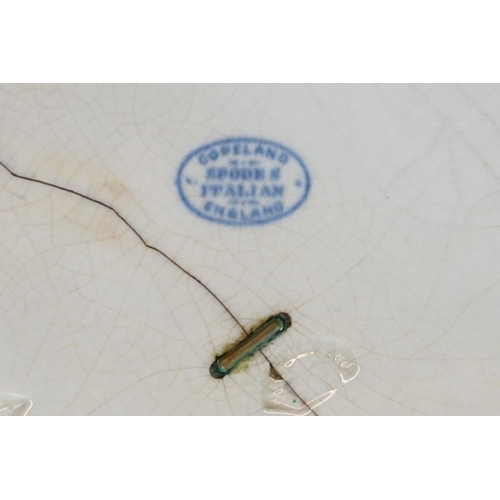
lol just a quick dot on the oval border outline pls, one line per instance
(292, 153)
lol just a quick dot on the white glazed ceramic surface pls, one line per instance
(389, 269)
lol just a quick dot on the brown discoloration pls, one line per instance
(274, 374)
(94, 180)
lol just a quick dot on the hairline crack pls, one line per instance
(161, 252)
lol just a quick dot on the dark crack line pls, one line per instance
(151, 247)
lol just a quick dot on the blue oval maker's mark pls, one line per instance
(243, 181)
